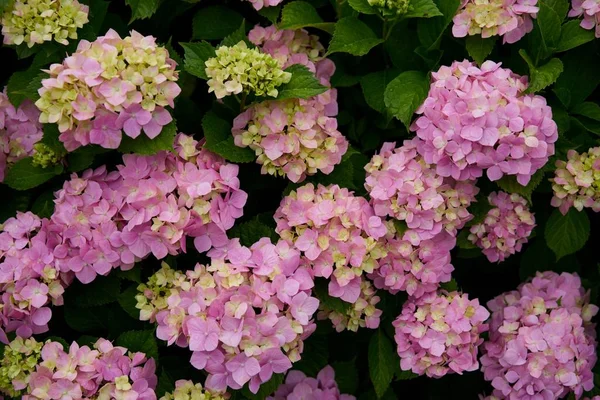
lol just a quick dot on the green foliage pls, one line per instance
(405, 94)
(352, 36)
(215, 22)
(382, 362)
(23, 175)
(142, 9)
(142, 341)
(302, 85)
(301, 14)
(479, 49)
(144, 145)
(196, 55)
(566, 234)
(217, 132)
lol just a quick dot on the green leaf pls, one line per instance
(321, 292)
(352, 36)
(346, 376)
(315, 355)
(362, 6)
(479, 48)
(300, 14)
(580, 76)
(302, 85)
(566, 234)
(430, 30)
(23, 175)
(142, 341)
(587, 109)
(544, 76)
(239, 35)
(24, 85)
(134, 274)
(142, 9)
(43, 206)
(252, 231)
(405, 94)
(195, 56)
(509, 184)
(450, 286)
(127, 302)
(373, 86)
(271, 13)
(144, 145)
(266, 388)
(573, 35)
(549, 22)
(381, 362)
(90, 320)
(423, 9)
(103, 290)
(4, 4)
(219, 139)
(215, 22)
(83, 157)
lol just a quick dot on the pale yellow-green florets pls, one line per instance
(44, 156)
(153, 295)
(187, 390)
(38, 21)
(20, 358)
(239, 69)
(391, 7)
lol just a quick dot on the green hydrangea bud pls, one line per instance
(391, 7)
(44, 156)
(38, 21)
(239, 69)
(153, 295)
(186, 390)
(20, 358)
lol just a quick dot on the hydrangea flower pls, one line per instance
(187, 390)
(49, 371)
(337, 232)
(511, 19)
(505, 228)
(590, 11)
(107, 87)
(439, 333)
(244, 316)
(403, 186)
(415, 269)
(298, 386)
(237, 69)
(19, 132)
(577, 181)
(541, 342)
(259, 4)
(477, 119)
(360, 314)
(38, 21)
(391, 8)
(44, 156)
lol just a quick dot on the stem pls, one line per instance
(243, 102)
(339, 8)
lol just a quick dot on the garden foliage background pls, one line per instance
(370, 52)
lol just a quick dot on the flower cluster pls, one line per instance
(590, 11)
(295, 137)
(105, 220)
(38, 21)
(577, 181)
(108, 86)
(48, 371)
(439, 333)
(44, 156)
(237, 69)
(298, 386)
(478, 118)
(511, 19)
(244, 316)
(505, 228)
(360, 314)
(391, 8)
(414, 269)
(403, 186)
(541, 343)
(187, 390)
(259, 4)
(337, 232)
(19, 132)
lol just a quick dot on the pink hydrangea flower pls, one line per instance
(19, 132)
(505, 228)
(337, 232)
(577, 180)
(590, 11)
(439, 333)
(541, 342)
(403, 186)
(298, 386)
(477, 119)
(259, 4)
(107, 87)
(511, 19)
(244, 316)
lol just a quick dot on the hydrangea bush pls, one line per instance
(299, 199)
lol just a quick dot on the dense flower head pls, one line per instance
(187, 390)
(244, 316)
(440, 333)
(478, 118)
(298, 386)
(44, 156)
(362, 313)
(259, 4)
(577, 181)
(391, 8)
(237, 69)
(589, 10)
(19, 132)
(511, 19)
(107, 87)
(415, 269)
(541, 342)
(49, 371)
(506, 226)
(338, 234)
(37, 21)
(403, 186)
